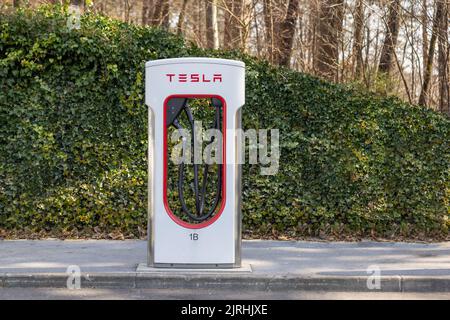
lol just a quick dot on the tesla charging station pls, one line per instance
(194, 209)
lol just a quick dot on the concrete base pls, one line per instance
(245, 268)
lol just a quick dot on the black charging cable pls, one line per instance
(175, 108)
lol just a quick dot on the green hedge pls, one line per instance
(73, 139)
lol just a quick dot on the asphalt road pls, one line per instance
(169, 294)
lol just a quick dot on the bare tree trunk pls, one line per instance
(256, 25)
(312, 34)
(287, 34)
(424, 22)
(366, 75)
(209, 24)
(268, 21)
(443, 60)
(212, 32)
(329, 32)
(412, 57)
(157, 13)
(302, 46)
(236, 24)
(390, 39)
(428, 68)
(165, 19)
(126, 10)
(215, 24)
(199, 21)
(228, 9)
(358, 39)
(147, 11)
(180, 24)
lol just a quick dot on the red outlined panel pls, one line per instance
(165, 159)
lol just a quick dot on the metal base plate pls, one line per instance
(245, 268)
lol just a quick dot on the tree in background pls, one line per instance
(287, 32)
(402, 42)
(212, 34)
(390, 39)
(181, 17)
(438, 14)
(271, 32)
(234, 23)
(443, 64)
(357, 54)
(329, 31)
(147, 10)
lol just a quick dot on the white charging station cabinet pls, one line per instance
(214, 243)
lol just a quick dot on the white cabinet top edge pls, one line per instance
(160, 62)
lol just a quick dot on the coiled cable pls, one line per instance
(199, 193)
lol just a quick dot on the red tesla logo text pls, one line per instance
(194, 77)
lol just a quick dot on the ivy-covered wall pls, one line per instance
(73, 140)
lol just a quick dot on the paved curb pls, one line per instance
(127, 280)
(425, 284)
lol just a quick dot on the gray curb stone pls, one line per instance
(131, 280)
(425, 284)
(48, 280)
(109, 280)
